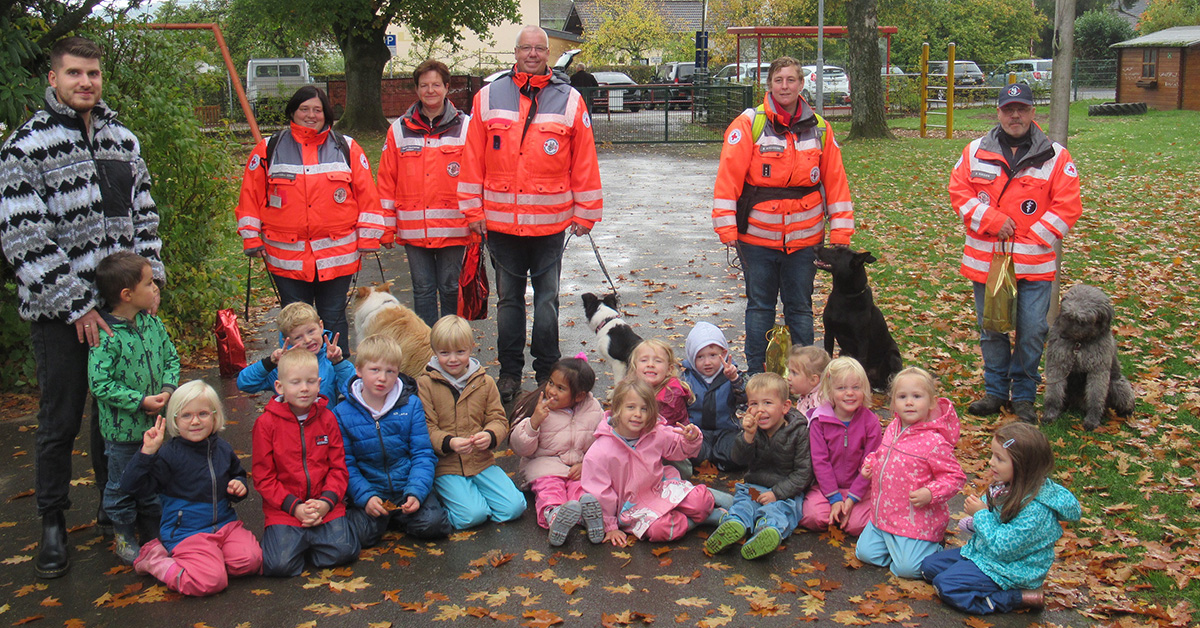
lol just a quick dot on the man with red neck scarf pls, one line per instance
(529, 174)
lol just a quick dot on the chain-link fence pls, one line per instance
(640, 114)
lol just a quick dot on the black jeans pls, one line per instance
(517, 260)
(329, 299)
(62, 377)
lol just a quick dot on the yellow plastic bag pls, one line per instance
(1000, 296)
(779, 343)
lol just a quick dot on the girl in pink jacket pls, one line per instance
(555, 425)
(624, 469)
(914, 474)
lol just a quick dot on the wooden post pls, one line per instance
(950, 91)
(924, 85)
(1060, 108)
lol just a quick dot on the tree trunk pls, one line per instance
(365, 55)
(867, 116)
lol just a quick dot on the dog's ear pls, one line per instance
(865, 257)
(361, 293)
(610, 300)
(383, 287)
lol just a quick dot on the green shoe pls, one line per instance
(761, 544)
(729, 532)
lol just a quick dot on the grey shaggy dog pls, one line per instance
(1082, 370)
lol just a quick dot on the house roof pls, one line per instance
(1178, 36)
(680, 16)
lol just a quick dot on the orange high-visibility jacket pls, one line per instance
(802, 156)
(310, 210)
(1041, 195)
(530, 176)
(418, 178)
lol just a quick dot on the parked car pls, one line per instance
(835, 86)
(1033, 72)
(739, 72)
(628, 99)
(275, 77)
(966, 73)
(676, 73)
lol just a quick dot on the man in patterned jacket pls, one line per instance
(73, 189)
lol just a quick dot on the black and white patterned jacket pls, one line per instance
(66, 204)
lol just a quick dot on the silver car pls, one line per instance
(835, 88)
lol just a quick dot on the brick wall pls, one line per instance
(398, 94)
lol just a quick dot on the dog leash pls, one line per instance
(596, 252)
(354, 280)
(250, 275)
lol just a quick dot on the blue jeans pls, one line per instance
(329, 299)
(516, 259)
(434, 274)
(63, 387)
(781, 514)
(1011, 369)
(120, 506)
(901, 554)
(962, 586)
(284, 547)
(773, 275)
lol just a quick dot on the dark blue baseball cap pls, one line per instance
(1017, 92)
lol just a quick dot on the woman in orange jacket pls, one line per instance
(779, 183)
(308, 207)
(418, 185)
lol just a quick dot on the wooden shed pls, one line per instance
(1161, 69)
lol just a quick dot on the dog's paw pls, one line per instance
(1092, 421)
(1049, 416)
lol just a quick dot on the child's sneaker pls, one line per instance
(761, 544)
(593, 517)
(729, 532)
(126, 545)
(562, 520)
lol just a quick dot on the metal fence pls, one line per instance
(645, 114)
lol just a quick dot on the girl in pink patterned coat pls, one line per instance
(913, 475)
(624, 469)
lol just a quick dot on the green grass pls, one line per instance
(1136, 478)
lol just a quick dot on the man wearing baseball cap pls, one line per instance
(1014, 189)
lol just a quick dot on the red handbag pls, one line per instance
(473, 284)
(231, 351)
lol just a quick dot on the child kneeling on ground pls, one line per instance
(719, 389)
(774, 445)
(388, 453)
(625, 470)
(299, 468)
(466, 423)
(197, 477)
(1003, 566)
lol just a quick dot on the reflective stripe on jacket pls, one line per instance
(418, 179)
(530, 177)
(801, 154)
(308, 208)
(1041, 195)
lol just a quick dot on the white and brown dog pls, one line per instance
(377, 311)
(616, 338)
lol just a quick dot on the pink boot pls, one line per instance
(154, 560)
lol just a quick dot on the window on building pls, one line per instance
(1150, 63)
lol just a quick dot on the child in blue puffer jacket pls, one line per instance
(388, 452)
(301, 326)
(719, 389)
(1004, 564)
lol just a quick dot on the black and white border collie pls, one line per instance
(617, 339)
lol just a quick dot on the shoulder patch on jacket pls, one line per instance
(735, 136)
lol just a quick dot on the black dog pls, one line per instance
(617, 338)
(852, 318)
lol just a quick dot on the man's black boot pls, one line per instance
(52, 559)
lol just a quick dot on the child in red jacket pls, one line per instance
(299, 467)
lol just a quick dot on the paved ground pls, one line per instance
(670, 272)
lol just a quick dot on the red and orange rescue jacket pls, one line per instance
(418, 178)
(530, 166)
(1041, 195)
(788, 179)
(310, 210)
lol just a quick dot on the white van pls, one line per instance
(275, 77)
